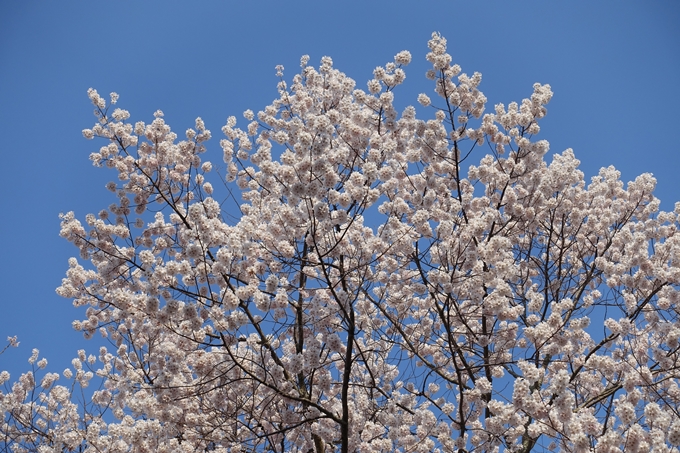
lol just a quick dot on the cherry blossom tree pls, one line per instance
(372, 282)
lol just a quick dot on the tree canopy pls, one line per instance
(356, 279)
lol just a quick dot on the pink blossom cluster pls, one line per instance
(380, 285)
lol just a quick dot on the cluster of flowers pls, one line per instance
(374, 294)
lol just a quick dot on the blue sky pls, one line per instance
(614, 66)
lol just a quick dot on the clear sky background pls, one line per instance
(614, 66)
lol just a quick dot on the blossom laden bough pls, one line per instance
(383, 285)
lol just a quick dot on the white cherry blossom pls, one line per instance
(357, 279)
